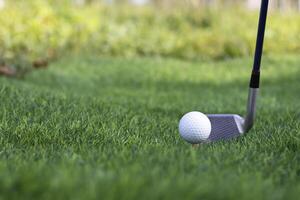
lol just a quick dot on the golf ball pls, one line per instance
(195, 127)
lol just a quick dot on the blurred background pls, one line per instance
(34, 32)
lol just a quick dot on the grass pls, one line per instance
(106, 128)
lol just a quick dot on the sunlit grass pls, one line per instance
(91, 127)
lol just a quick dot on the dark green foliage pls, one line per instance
(45, 30)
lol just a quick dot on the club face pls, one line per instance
(225, 126)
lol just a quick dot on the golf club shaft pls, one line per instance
(254, 83)
(255, 77)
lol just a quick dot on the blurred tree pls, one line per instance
(282, 5)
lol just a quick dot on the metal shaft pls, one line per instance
(251, 109)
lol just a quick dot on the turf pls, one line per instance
(106, 128)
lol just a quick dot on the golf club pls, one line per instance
(228, 126)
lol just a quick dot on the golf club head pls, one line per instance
(225, 126)
(229, 126)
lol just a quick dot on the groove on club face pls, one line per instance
(225, 127)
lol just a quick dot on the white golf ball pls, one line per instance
(195, 127)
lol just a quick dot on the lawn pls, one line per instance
(106, 128)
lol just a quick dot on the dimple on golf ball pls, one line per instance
(195, 127)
